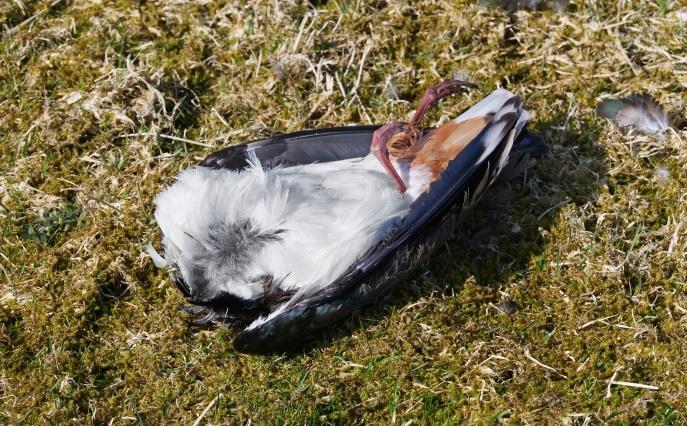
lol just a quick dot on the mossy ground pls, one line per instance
(558, 282)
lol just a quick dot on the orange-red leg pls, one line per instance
(434, 94)
(378, 147)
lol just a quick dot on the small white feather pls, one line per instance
(158, 260)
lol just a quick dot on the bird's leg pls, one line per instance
(400, 137)
(434, 94)
(379, 148)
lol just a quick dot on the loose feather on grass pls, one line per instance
(515, 5)
(639, 112)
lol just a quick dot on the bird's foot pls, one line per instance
(434, 94)
(397, 139)
(380, 148)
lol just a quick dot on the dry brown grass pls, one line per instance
(564, 282)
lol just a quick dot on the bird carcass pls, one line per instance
(293, 233)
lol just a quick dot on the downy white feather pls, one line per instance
(302, 226)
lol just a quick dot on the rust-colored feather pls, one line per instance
(446, 143)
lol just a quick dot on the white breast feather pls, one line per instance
(324, 215)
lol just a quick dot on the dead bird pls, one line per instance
(294, 232)
(637, 112)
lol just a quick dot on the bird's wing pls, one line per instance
(292, 149)
(443, 145)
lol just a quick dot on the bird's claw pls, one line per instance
(379, 148)
(387, 137)
(434, 94)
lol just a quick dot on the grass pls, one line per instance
(560, 282)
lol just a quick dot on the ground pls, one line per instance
(560, 285)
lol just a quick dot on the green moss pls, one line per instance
(580, 266)
(52, 223)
